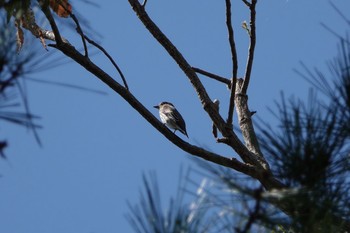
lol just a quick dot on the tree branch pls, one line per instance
(234, 61)
(246, 125)
(252, 36)
(144, 3)
(81, 33)
(110, 58)
(213, 76)
(231, 138)
(233, 163)
(79, 30)
(246, 3)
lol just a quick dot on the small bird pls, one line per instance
(171, 117)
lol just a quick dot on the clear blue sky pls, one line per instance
(96, 147)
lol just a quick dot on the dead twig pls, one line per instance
(79, 30)
(251, 51)
(110, 58)
(213, 76)
(144, 3)
(234, 62)
(81, 33)
(246, 2)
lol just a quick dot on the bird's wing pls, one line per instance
(172, 113)
(179, 120)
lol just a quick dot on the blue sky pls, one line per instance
(96, 147)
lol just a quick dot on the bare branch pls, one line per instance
(110, 58)
(213, 76)
(81, 33)
(231, 138)
(251, 51)
(79, 30)
(144, 3)
(233, 163)
(246, 125)
(234, 61)
(246, 3)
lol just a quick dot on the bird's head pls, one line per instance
(163, 104)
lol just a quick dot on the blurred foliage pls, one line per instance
(18, 68)
(149, 216)
(14, 106)
(310, 151)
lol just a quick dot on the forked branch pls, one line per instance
(110, 59)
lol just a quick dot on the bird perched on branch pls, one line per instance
(171, 117)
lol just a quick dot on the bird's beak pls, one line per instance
(156, 106)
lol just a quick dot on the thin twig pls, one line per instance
(31, 124)
(343, 39)
(110, 58)
(251, 47)
(213, 76)
(144, 3)
(339, 12)
(81, 33)
(234, 61)
(79, 30)
(246, 2)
